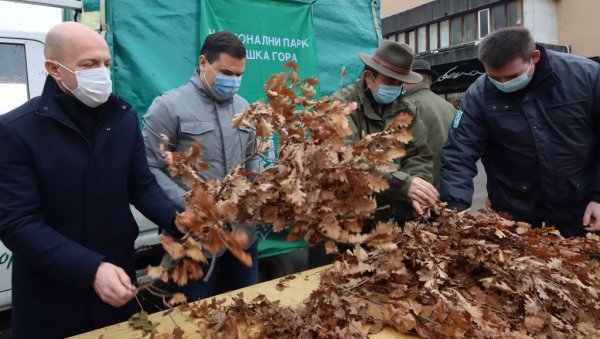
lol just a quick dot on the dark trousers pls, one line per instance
(281, 265)
(229, 274)
(568, 220)
(317, 256)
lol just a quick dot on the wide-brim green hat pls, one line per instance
(394, 60)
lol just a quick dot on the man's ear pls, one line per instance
(52, 69)
(536, 56)
(202, 62)
(368, 76)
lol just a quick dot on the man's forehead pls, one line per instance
(228, 60)
(384, 78)
(81, 49)
(514, 63)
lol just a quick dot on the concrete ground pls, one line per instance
(480, 193)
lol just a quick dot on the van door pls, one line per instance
(22, 71)
(21, 77)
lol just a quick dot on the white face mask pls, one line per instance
(93, 85)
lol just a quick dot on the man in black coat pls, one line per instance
(534, 120)
(71, 161)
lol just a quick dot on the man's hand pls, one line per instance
(420, 211)
(422, 192)
(591, 217)
(113, 285)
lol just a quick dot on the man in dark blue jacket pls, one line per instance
(533, 119)
(71, 161)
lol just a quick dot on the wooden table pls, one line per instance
(297, 291)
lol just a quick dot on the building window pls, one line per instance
(456, 26)
(444, 34)
(463, 28)
(498, 17)
(514, 13)
(506, 15)
(470, 27)
(400, 37)
(411, 40)
(484, 23)
(433, 36)
(422, 39)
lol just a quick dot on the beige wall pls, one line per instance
(579, 26)
(391, 7)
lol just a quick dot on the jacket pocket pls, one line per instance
(245, 129)
(523, 186)
(510, 195)
(197, 127)
(581, 184)
(573, 190)
(569, 103)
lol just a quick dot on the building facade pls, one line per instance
(446, 32)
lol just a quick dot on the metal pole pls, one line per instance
(376, 22)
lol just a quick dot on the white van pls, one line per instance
(22, 76)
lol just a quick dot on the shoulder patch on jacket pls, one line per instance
(457, 117)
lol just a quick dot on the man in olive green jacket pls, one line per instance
(437, 114)
(378, 95)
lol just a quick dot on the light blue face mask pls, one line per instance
(386, 94)
(225, 87)
(515, 84)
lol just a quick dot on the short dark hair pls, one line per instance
(370, 69)
(504, 45)
(426, 76)
(222, 42)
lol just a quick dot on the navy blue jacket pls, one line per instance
(64, 208)
(539, 146)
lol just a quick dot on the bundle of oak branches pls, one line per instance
(460, 275)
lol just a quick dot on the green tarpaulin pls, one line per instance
(155, 43)
(155, 46)
(273, 32)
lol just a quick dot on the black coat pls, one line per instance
(539, 145)
(64, 208)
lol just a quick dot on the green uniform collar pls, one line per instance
(369, 107)
(417, 88)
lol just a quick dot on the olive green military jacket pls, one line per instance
(371, 117)
(437, 114)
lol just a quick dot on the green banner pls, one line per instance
(273, 32)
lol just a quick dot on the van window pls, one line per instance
(13, 76)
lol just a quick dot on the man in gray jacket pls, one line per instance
(202, 110)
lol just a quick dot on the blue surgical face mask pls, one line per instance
(515, 84)
(386, 94)
(225, 87)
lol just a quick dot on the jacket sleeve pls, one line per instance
(418, 161)
(596, 115)
(23, 228)
(145, 193)
(253, 164)
(158, 120)
(464, 147)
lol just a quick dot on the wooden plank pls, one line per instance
(297, 291)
